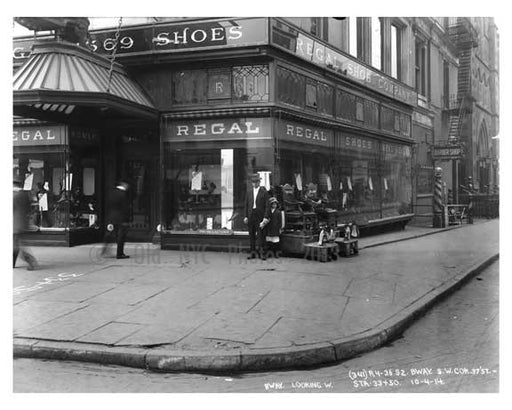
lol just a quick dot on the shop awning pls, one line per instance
(61, 78)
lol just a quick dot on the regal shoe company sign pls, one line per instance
(39, 135)
(218, 130)
(308, 48)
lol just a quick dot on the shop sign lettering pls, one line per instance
(198, 36)
(400, 150)
(211, 130)
(304, 132)
(447, 153)
(20, 53)
(161, 37)
(83, 134)
(177, 36)
(309, 49)
(360, 143)
(219, 128)
(38, 136)
(297, 132)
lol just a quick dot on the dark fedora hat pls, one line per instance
(255, 177)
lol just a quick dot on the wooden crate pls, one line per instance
(321, 253)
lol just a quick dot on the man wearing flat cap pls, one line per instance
(256, 207)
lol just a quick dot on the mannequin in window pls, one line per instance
(43, 199)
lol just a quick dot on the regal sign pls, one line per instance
(212, 130)
(303, 133)
(39, 135)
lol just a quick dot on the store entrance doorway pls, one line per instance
(139, 167)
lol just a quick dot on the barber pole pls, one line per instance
(438, 199)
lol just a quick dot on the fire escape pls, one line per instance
(464, 36)
(459, 107)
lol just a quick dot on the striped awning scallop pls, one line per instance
(59, 76)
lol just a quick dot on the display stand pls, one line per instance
(347, 247)
(323, 253)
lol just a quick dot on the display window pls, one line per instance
(84, 171)
(205, 188)
(62, 180)
(396, 179)
(348, 178)
(44, 178)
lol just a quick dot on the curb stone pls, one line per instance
(164, 360)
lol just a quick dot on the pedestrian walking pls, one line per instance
(21, 210)
(274, 227)
(118, 217)
(256, 208)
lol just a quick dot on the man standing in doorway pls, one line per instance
(256, 207)
(119, 212)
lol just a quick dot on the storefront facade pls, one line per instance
(283, 117)
(81, 126)
(259, 95)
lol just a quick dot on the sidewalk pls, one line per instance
(209, 311)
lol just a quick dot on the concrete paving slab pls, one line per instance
(110, 334)
(163, 333)
(128, 294)
(236, 327)
(76, 324)
(74, 292)
(301, 305)
(30, 313)
(297, 281)
(371, 288)
(111, 273)
(241, 299)
(296, 332)
(165, 275)
(167, 316)
(361, 315)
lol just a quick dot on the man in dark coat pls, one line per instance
(256, 207)
(117, 219)
(21, 210)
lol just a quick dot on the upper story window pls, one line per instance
(353, 35)
(317, 26)
(376, 43)
(249, 83)
(421, 66)
(396, 52)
